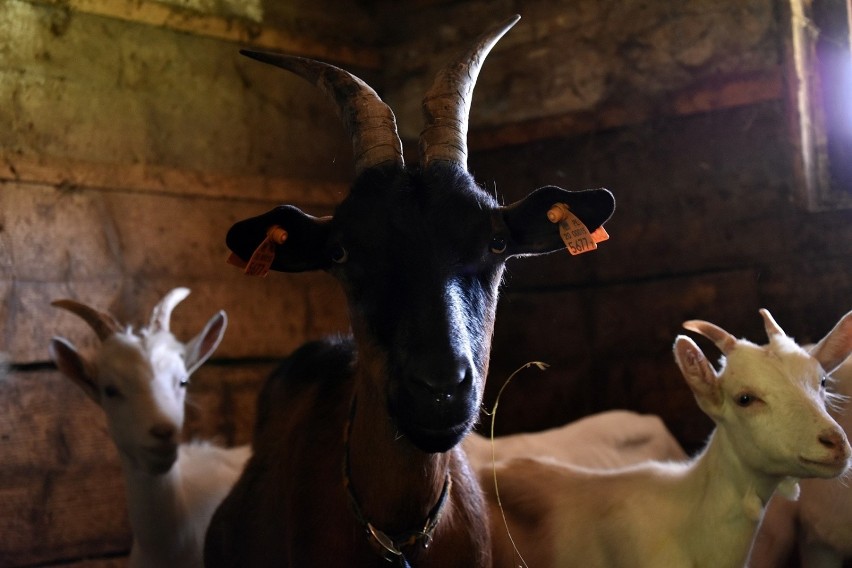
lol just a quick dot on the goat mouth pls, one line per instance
(435, 441)
(159, 459)
(829, 467)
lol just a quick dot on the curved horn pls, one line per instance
(723, 340)
(446, 105)
(104, 325)
(772, 327)
(369, 122)
(161, 315)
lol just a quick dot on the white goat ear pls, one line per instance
(202, 346)
(833, 349)
(74, 366)
(699, 374)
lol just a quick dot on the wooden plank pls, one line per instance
(721, 94)
(155, 109)
(266, 318)
(121, 252)
(91, 562)
(61, 488)
(222, 399)
(72, 175)
(231, 29)
(53, 516)
(693, 194)
(586, 66)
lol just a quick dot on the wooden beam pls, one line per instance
(726, 93)
(149, 178)
(236, 30)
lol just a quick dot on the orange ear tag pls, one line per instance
(574, 233)
(263, 256)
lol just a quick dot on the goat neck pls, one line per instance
(386, 470)
(158, 518)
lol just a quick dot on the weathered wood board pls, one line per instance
(154, 97)
(122, 251)
(570, 57)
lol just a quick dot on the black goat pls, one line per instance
(355, 456)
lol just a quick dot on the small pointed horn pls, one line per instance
(772, 327)
(446, 106)
(161, 315)
(369, 122)
(104, 325)
(723, 340)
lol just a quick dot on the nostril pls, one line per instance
(831, 440)
(442, 387)
(164, 432)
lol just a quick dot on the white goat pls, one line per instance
(140, 382)
(603, 441)
(821, 519)
(768, 404)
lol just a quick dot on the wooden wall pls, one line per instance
(132, 136)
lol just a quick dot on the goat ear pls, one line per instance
(833, 349)
(72, 365)
(530, 230)
(699, 375)
(304, 249)
(202, 346)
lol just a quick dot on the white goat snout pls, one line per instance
(836, 445)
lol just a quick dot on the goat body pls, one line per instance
(139, 380)
(771, 424)
(605, 440)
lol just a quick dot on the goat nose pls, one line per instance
(163, 432)
(832, 439)
(442, 386)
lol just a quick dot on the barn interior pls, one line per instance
(133, 135)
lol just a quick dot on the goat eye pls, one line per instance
(339, 254)
(184, 382)
(112, 391)
(823, 381)
(498, 245)
(745, 400)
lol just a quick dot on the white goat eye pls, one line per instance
(184, 382)
(823, 381)
(745, 400)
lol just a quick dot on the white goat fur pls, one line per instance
(820, 521)
(139, 380)
(605, 440)
(702, 512)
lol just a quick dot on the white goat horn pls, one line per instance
(104, 325)
(723, 340)
(162, 313)
(772, 328)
